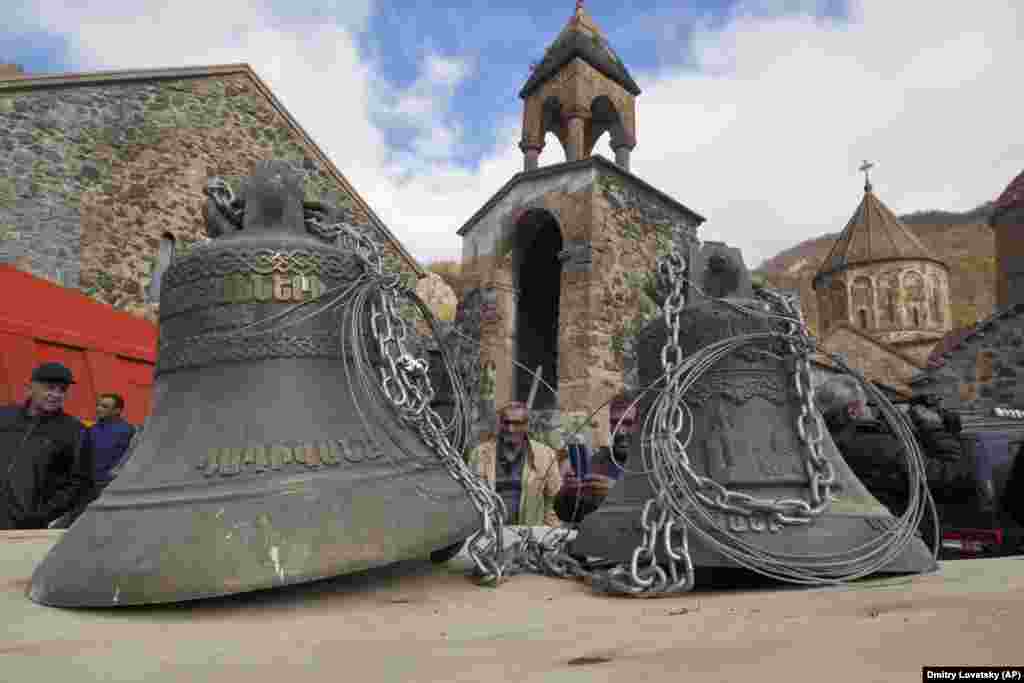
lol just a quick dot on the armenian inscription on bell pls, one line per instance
(244, 288)
(231, 460)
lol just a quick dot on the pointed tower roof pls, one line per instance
(874, 233)
(581, 38)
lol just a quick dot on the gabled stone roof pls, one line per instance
(596, 161)
(1011, 198)
(874, 233)
(580, 38)
(902, 388)
(888, 348)
(955, 339)
(13, 81)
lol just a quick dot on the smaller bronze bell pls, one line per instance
(744, 411)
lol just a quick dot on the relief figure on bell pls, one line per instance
(737, 448)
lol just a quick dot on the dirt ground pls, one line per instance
(419, 622)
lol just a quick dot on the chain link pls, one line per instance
(405, 383)
(661, 564)
(667, 521)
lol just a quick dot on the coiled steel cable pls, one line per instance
(666, 462)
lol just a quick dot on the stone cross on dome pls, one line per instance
(864, 168)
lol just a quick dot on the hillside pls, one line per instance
(962, 240)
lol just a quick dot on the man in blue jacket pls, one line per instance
(110, 437)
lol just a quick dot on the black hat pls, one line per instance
(54, 373)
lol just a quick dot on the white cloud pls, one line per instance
(764, 138)
(423, 108)
(767, 148)
(446, 71)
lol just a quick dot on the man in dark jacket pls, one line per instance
(873, 453)
(46, 465)
(949, 474)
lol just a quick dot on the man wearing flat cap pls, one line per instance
(46, 464)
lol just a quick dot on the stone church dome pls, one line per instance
(873, 234)
(880, 279)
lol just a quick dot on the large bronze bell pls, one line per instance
(263, 463)
(744, 412)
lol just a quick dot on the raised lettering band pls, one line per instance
(228, 461)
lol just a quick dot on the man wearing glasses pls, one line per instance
(522, 471)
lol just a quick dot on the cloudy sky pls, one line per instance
(755, 114)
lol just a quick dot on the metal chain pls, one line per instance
(645, 575)
(809, 426)
(661, 565)
(405, 383)
(664, 518)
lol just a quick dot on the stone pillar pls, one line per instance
(530, 159)
(500, 336)
(531, 152)
(622, 157)
(574, 137)
(575, 358)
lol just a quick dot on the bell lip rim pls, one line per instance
(32, 593)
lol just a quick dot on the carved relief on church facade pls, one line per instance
(936, 300)
(889, 301)
(902, 304)
(917, 311)
(888, 298)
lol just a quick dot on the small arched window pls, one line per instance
(863, 318)
(917, 318)
(164, 259)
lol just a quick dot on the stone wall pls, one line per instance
(636, 229)
(986, 369)
(613, 228)
(874, 361)
(97, 172)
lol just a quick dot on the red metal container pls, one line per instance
(107, 350)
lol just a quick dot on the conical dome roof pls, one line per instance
(874, 233)
(581, 38)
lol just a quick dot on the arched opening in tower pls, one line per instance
(604, 119)
(538, 279)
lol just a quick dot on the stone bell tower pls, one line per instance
(579, 91)
(555, 262)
